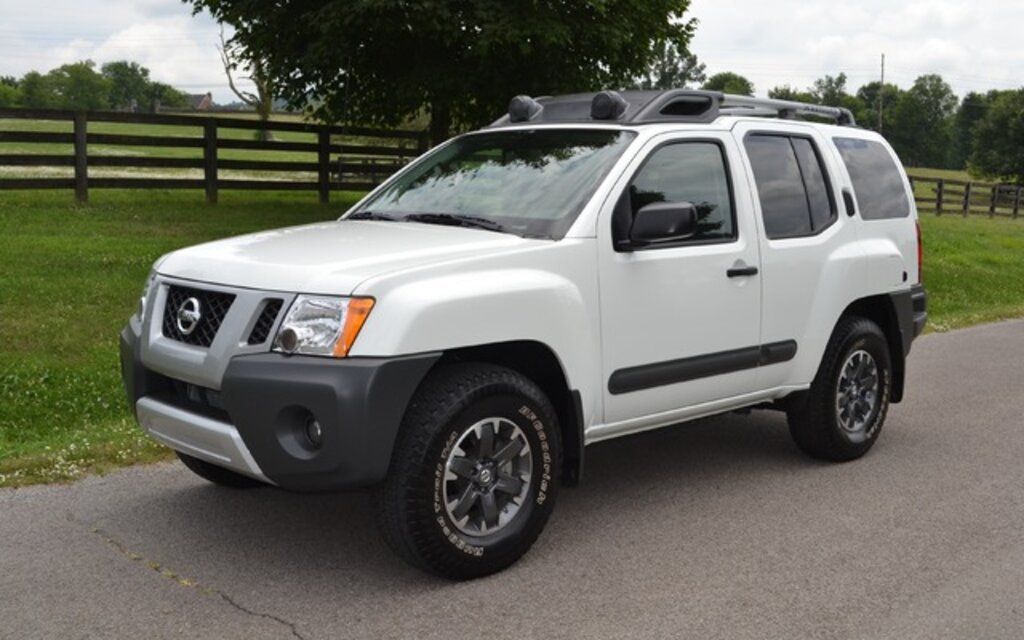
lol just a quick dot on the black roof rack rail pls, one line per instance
(675, 105)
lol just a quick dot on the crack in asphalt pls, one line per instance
(183, 581)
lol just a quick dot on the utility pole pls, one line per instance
(881, 94)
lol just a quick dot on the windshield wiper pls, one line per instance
(455, 220)
(371, 215)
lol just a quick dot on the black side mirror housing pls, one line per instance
(662, 223)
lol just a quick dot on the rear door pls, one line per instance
(810, 256)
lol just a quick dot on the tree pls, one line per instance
(129, 84)
(972, 109)
(922, 123)
(79, 86)
(263, 100)
(830, 90)
(160, 94)
(383, 62)
(875, 96)
(37, 91)
(671, 68)
(786, 92)
(10, 93)
(729, 82)
(998, 149)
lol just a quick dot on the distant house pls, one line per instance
(200, 101)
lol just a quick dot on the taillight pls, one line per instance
(920, 255)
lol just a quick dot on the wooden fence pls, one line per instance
(348, 158)
(964, 198)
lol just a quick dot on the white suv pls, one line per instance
(587, 267)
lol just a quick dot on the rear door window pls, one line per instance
(792, 186)
(877, 180)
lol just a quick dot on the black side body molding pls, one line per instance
(659, 374)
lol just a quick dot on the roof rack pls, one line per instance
(675, 105)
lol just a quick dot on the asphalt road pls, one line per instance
(719, 529)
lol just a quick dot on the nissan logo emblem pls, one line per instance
(188, 316)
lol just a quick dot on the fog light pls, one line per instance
(314, 433)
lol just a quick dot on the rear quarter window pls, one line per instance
(877, 180)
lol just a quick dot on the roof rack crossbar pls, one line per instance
(735, 105)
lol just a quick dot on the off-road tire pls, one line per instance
(218, 475)
(410, 505)
(816, 420)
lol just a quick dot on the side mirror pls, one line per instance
(662, 223)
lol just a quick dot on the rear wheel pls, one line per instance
(473, 476)
(842, 414)
(218, 475)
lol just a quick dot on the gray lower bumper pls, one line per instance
(211, 440)
(256, 424)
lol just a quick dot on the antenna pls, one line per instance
(881, 94)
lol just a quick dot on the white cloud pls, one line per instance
(162, 35)
(975, 46)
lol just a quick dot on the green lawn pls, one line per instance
(70, 276)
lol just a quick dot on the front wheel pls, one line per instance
(473, 477)
(842, 414)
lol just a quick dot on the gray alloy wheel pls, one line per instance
(857, 392)
(487, 476)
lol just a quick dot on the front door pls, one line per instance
(680, 323)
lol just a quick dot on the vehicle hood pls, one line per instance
(331, 257)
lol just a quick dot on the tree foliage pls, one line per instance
(670, 68)
(129, 84)
(118, 85)
(998, 149)
(79, 86)
(381, 62)
(922, 130)
(729, 82)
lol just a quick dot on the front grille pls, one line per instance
(265, 322)
(213, 306)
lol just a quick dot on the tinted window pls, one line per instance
(818, 197)
(779, 186)
(877, 181)
(692, 172)
(791, 185)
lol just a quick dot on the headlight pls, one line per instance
(322, 326)
(145, 294)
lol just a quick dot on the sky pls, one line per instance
(975, 46)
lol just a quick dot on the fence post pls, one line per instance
(210, 159)
(967, 199)
(81, 158)
(992, 201)
(939, 192)
(423, 143)
(1016, 202)
(324, 164)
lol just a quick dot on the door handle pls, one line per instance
(739, 272)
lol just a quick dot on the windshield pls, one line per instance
(528, 182)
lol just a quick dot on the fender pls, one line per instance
(483, 306)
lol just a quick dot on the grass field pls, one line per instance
(70, 276)
(69, 279)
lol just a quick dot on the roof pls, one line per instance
(645, 107)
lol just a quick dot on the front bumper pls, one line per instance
(255, 424)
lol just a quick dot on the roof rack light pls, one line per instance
(608, 105)
(523, 109)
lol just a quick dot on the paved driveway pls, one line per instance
(718, 529)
